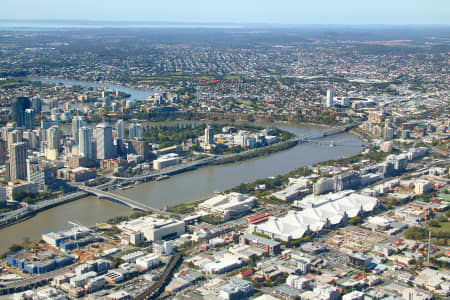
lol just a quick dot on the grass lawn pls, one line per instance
(244, 101)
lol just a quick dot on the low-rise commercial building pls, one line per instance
(20, 186)
(270, 246)
(77, 175)
(422, 186)
(148, 261)
(236, 289)
(154, 229)
(113, 163)
(166, 160)
(58, 238)
(228, 206)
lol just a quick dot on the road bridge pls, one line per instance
(323, 134)
(122, 200)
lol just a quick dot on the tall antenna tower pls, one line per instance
(429, 246)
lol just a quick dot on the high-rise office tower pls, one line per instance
(17, 161)
(15, 136)
(103, 135)
(77, 123)
(45, 124)
(209, 135)
(85, 147)
(135, 131)
(115, 107)
(36, 104)
(30, 137)
(4, 131)
(3, 198)
(330, 96)
(53, 138)
(141, 147)
(29, 118)
(18, 110)
(3, 151)
(120, 129)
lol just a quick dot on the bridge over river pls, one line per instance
(100, 192)
(122, 200)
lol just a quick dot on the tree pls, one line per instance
(416, 233)
(355, 220)
(26, 241)
(434, 223)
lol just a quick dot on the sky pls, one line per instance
(396, 12)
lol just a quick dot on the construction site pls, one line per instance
(353, 238)
(45, 256)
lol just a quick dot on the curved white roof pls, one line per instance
(329, 210)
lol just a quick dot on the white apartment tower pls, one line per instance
(77, 123)
(104, 141)
(330, 96)
(209, 135)
(53, 137)
(85, 146)
(136, 131)
(120, 129)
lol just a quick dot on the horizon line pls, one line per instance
(223, 22)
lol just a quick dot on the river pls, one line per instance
(135, 94)
(87, 211)
(202, 182)
(185, 187)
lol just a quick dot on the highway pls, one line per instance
(33, 282)
(30, 209)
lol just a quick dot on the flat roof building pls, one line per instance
(154, 229)
(166, 160)
(270, 246)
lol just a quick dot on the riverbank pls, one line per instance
(49, 203)
(238, 157)
(41, 206)
(271, 185)
(268, 150)
(358, 134)
(201, 183)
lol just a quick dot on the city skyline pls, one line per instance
(224, 150)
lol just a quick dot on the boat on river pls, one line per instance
(162, 177)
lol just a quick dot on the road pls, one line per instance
(33, 282)
(29, 209)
